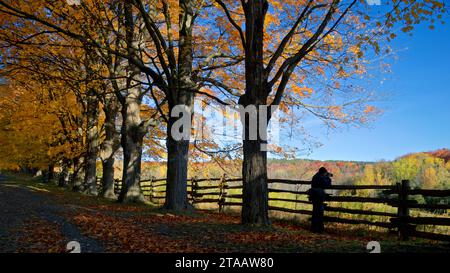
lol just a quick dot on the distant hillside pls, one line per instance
(426, 169)
(304, 169)
(441, 153)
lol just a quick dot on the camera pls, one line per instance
(329, 174)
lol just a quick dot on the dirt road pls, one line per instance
(21, 204)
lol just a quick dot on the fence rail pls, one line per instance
(226, 192)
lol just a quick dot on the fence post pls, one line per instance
(403, 210)
(116, 186)
(222, 193)
(97, 184)
(151, 189)
(194, 190)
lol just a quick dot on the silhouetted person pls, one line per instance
(320, 181)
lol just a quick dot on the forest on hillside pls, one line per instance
(428, 170)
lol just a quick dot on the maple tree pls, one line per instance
(278, 38)
(120, 21)
(25, 114)
(67, 63)
(94, 66)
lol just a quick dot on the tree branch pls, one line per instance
(233, 22)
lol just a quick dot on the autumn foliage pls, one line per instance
(98, 81)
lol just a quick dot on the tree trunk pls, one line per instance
(177, 166)
(178, 150)
(92, 141)
(64, 176)
(131, 141)
(78, 174)
(255, 200)
(254, 167)
(38, 173)
(34, 172)
(50, 173)
(255, 208)
(132, 136)
(109, 147)
(108, 178)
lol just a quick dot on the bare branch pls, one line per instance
(233, 22)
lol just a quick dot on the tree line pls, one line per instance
(88, 81)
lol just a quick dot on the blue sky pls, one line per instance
(416, 114)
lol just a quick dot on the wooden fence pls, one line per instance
(227, 192)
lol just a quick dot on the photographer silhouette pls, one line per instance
(320, 181)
